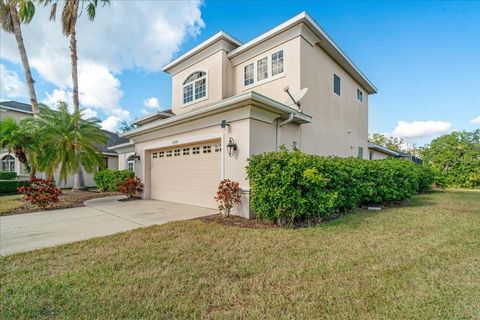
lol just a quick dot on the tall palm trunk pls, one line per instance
(79, 182)
(23, 56)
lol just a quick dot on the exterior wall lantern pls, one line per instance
(136, 157)
(231, 147)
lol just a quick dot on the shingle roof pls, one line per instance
(14, 105)
(113, 140)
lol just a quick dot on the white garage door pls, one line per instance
(187, 174)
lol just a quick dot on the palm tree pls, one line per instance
(10, 19)
(70, 142)
(70, 12)
(22, 139)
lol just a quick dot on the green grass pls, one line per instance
(10, 202)
(415, 262)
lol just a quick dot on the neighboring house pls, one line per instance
(378, 152)
(229, 102)
(18, 111)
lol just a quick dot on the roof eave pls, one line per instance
(216, 37)
(253, 96)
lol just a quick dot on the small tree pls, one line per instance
(131, 187)
(40, 192)
(228, 195)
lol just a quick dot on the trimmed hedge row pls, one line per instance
(7, 175)
(109, 180)
(10, 186)
(296, 186)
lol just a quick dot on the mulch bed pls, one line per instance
(236, 221)
(68, 199)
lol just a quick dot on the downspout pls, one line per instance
(279, 126)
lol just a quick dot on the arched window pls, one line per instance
(8, 163)
(195, 87)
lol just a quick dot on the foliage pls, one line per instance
(125, 126)
(109, 180)
(70, 142)
(25, 10)
(393, 143)
(40, 192)
(10, 186)
(22, 139)
(228, 194)
(294, 186)
(131, 187)
(7, 175)
(457, 156)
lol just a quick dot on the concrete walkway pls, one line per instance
(99, 217)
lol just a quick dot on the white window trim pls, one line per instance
(184, 105)
(269, 64)
(9, 162)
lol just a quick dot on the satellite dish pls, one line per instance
(296, 98)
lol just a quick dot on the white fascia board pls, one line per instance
(151, 115)
(383, 149)
(304, 17)
(122, 145)
(201, 46)
(219, 107)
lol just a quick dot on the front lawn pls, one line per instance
(9, 203)
(415, 262)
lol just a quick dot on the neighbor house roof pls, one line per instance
(383, 149)
(16, 106)
(222, 105)
(113, 140)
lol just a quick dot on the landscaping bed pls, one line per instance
(14, 204)
(419, 261)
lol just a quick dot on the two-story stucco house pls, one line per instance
(229, 102)
(8, 162)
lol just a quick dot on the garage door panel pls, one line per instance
(192, 179)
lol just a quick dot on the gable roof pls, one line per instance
(326, 43)
(16, 106)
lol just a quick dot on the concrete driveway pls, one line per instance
(99, 217)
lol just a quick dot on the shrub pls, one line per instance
(40, 192)
(109, 180)
(131, 187)
(293, 186)
(228, 194)
(10, 186)
(7, 175)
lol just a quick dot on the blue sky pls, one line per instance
(424, 57)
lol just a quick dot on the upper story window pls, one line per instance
(249, 74)
(195, 87)
(359, 95)
(336, 84)
(263, 69)
(277, 63)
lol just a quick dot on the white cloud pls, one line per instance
(151, 103)
(89, 113)
(10, 84)
(110, 123)
(420, 129)
(106, 47)
(475, 120)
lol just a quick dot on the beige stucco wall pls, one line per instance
(272, 87)
(340, 123)
(13, 114)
